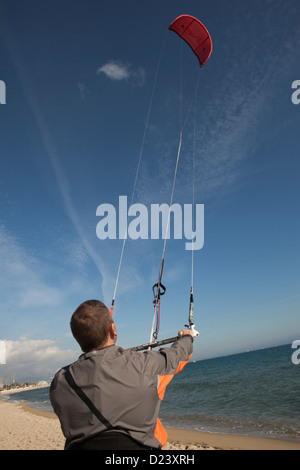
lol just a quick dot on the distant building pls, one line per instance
(1, 384)
(42, 383)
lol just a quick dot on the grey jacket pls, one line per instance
(124, 385)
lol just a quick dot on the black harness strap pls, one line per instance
(95, 411)
(86, 400)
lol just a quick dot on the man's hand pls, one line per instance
(182, 333)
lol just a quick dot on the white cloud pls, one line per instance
(20, 277)
(117, 71)
(28, 359)
(38, 292)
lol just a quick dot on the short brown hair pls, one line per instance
(90, 325)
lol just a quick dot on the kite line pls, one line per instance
(194, 33)
(137, 170)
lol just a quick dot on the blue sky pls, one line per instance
(79, 79)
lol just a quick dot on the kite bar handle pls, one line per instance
(154, 345)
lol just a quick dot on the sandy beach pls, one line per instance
(24, 428)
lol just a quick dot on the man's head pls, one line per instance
(92, 326)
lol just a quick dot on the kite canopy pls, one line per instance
(195, 34)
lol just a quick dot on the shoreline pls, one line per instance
(25, 428)
(217, 441)
(22, 389)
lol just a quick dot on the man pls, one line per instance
(109, 398)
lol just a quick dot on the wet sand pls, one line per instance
(24, 428)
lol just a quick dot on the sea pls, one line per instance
(255, 393)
